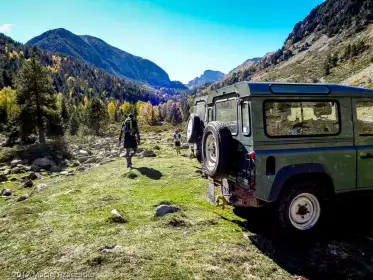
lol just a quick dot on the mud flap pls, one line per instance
(210, 193)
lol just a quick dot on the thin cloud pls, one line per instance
(6, 27)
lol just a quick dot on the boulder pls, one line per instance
(156, 147)
(83, 152)
(139, 150)
(76, 163)
(64, 173)
(28, 184)
(15, 162)
(117, 216)
(163, 209)
(3, 178)
(185, 146)
(35, 168)
(81, 168)
(34, 176)
(55, 168)
(13, 179)
(17, 170)
(7, 172)
(122, 155)
(148, 153)
(43, 162)
(5, 192)
(23, 197)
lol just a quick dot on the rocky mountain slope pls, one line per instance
(209, 76)
(100, 54)
(333, 43)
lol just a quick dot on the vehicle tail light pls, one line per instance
(252, 155)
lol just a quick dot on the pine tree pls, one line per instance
(64, 111)
(97, 115)
(36, 98)
(74, 123)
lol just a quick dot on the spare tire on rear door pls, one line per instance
(216, 151)
(194, 129)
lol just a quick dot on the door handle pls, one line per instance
(366, 156)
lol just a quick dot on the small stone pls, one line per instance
(38, 188)
(111, 249)
(156, 147)
(34, 176)
(64, 173)
(16, 170)
(7, 172)
(55, 168)
(117, 216)
(163, 209)
(35, 168)
(83, 152)
(23, 197)
(185, 146)
(6, 192)
(15, 162)
(122, 155)
(3, 178)
(148, 153)
(28, 184)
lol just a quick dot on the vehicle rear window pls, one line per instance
(201, 110)
(294, 118)
(365, 117)
(245, 118)
(226, 111)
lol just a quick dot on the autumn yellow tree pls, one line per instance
(146, 113)
(126, 108)
(111, 108)
(8, 104)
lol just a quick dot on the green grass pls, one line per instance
(62, 228)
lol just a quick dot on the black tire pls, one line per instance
(216, 153)
(194, 128)
(302, 197)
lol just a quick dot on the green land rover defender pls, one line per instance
(292, 146)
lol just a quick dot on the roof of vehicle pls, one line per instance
(243, 89)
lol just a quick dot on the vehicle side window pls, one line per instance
(365, 117)
(226, 111)
(292, 118)
(245, 111)
(201, 110)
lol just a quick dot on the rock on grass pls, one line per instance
(28, 184)
(23, 197)
(117, 216)
(5, 192)
(163, 209)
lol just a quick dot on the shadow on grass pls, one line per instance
(149, 172)
(344, 250)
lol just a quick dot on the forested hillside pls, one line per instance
(71, 76)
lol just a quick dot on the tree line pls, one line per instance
(34, 107)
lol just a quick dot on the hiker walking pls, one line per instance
(130, 131)
(177, 138)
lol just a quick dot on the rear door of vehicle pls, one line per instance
(363, 129)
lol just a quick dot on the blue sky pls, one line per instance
(184, 37)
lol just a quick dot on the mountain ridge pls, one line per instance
(208, 76)
(98, 53)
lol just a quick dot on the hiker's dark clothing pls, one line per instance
(177, 138)
(130, 131)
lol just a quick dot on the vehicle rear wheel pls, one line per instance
(194, 128)
(302, 207)
(216, 146)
